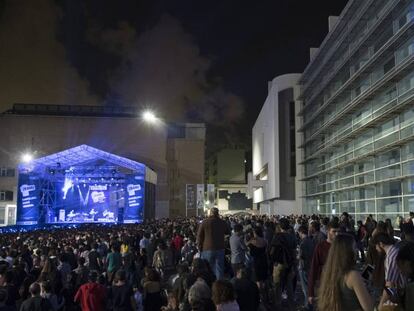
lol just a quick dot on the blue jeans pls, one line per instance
(216, 261)
(303, 275)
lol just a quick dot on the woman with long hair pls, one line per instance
(342, 287)
(390, 229)
(376, 259)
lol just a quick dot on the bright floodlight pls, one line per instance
(149, 116)
(27, 157)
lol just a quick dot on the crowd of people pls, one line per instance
(216, 263)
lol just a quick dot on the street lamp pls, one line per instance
(149, 116)
(27, 157)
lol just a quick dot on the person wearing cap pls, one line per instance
(210, 240)
(91, 295)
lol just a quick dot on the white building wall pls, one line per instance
(265, 151)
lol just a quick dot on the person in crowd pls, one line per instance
(393, 276)
(7, 283)
(91, 296)
(81, 272)
(121, 293)
(268, 231)
(177, 243)
(306, 248)
(36, 302)
(346, 223)
(162, 259)
(223, 296)
(376, 259)
(247, 292)
(361, 235)
(172, 303)
(411, 217)
(145, 241)
(319, 257)
(113, 261)
(257, 248)
(3, 299)
(342, 287)
(139, 298)
(237, 247)
(324, 225)
(407, 231)
(199, 296)
(283, 256)
(210, 240)
(390, 229)
(189, 250)
(64, 268)
(152, 290)
(50, 273)
(94, 258)
(405, 262)
(46, 292)
(315, 232)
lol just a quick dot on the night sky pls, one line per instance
(206, 61)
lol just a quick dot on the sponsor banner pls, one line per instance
(200, 196)
(134, 199)
(191, 198)
(28, 198)
(211, 195)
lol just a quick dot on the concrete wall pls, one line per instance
(267, 148)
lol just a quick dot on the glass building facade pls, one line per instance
(357, 114)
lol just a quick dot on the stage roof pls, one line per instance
(79, 155)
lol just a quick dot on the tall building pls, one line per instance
(174, 151)
(273, 182)
(358, 116)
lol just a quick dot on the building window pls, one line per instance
(6, 195)
(7, 172)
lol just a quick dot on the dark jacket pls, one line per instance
(307, 246)
(247, 294)
(36, 304)
(211, 234)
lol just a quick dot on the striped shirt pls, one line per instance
(392, 272)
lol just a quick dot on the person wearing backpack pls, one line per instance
(283, 257)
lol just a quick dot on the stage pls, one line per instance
(84, 185)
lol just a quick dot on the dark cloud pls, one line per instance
(34, 68)
(162, 68)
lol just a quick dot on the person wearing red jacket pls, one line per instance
(319, 257)
(92, 295)
(177, 243)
